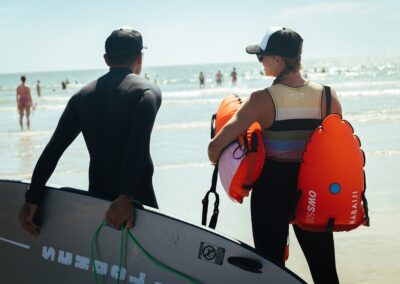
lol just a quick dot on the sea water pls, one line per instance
(368, 88)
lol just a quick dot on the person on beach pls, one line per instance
(218, 77)
(288, 112)
(234, 76)
(24, 103)
(38, 88)
(115, 114)
(201, 80)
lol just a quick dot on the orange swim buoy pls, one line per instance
(332, 180)
(241, 162)
(226, 110)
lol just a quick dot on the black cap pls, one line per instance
(124, 41)
(278, 41)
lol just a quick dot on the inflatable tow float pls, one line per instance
(332, 180)
(240, 164)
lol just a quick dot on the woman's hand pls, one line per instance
(213, 153)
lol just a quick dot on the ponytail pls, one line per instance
(291, 65)
(283, 74)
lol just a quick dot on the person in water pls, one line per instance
(201, 80)
(38, 88)
(234, 76)
(218, 77)
(288, 112)
(115, 114)
(24, 103)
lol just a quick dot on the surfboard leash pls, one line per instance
(159, 263)
(94, 238)
(142, 249)
(121, 252)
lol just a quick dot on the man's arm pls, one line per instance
(67, 129)
(137, 152)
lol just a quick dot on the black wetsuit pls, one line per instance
(116, 115)
(273, 202)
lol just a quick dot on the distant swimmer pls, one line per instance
(24, 103)
(38, 88)
(218, 77)
(234, 76)
(201, 80)
(146, 76)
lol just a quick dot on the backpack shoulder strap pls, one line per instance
(328, 99)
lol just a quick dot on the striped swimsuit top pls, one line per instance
(297, 114)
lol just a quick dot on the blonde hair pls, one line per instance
(291, 65)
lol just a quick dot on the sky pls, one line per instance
(47, 35)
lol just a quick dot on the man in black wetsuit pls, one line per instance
(115, 114)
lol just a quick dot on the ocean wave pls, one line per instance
(16, 176)
(183, 165)
(378, 92)
(374, 116)
(192, 101)
(383, 153)
(9, 109)
(37, 107)
(28, 175)
(50, 107)
(188, 125)
(28, 133)
(208, 92)
(55, 99)
(367, 84)
(83, 171)
(7, 100)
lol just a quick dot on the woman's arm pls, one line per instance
(258, 108)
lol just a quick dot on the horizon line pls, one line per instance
(199, 64)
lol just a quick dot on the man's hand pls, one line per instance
(121, 213)
(26, 215)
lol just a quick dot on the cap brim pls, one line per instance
(254, 49)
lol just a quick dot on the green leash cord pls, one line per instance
(160, 264)
(121, 255)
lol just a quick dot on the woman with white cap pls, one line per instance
(288, 112)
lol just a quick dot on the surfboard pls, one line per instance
(62, 252)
